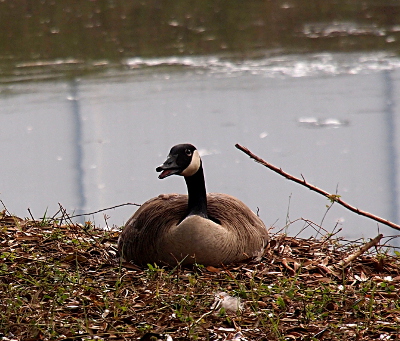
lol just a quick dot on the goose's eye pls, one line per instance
(188, 152)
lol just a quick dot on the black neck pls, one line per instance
(197, 194)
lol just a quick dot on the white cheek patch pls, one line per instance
(193, 166)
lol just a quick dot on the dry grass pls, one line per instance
(64, 282)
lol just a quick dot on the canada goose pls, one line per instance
(198, 228)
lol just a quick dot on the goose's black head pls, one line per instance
(183, 159)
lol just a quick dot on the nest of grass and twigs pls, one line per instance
(64, 282)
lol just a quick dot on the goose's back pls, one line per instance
(158, 232)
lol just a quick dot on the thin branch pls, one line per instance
(346, 261)
(5, 207)
(30, 213)
(331, 197)
(104, 209)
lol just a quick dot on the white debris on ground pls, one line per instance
(228, 303)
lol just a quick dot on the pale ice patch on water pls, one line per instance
(267, 65)
(171, 61)
(315, 122)
(205, 152)
(341, 28)
(296, 65)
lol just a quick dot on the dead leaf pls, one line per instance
(212, 269)
(74, 257)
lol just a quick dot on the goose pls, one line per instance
(208, 229)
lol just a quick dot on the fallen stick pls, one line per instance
(346, 261)
(331, 197)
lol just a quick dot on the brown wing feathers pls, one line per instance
(143, 235)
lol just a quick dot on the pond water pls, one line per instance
(93, 142)
(94, 94)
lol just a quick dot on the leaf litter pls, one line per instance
(66, 282)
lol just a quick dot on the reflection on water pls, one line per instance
(94, 142)
(78, 148)
(392, 147)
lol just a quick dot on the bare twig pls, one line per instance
(5, 207)
(331, 197)
(104, 209)
(30, 213)
(313, 226)
(346, 261)
(68, 220)
(65, 216)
